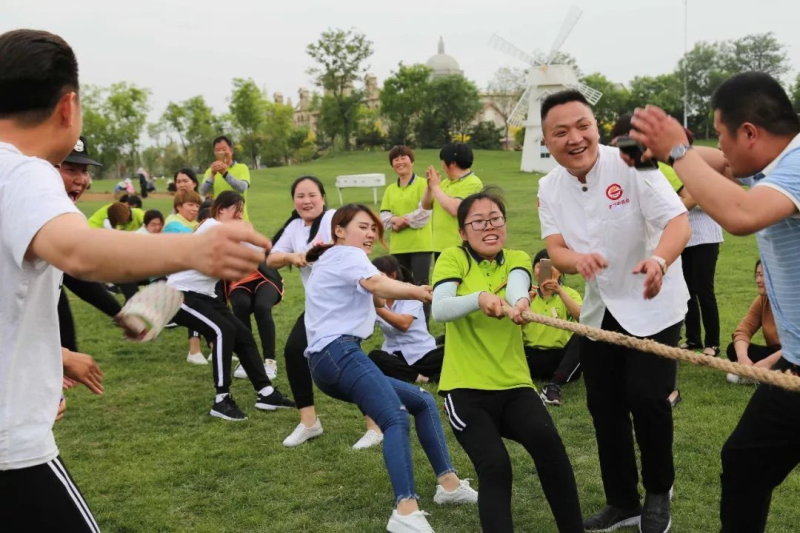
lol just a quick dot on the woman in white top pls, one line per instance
(340, 313)
(308, 225)
(206, 313)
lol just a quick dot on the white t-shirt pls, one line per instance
(621, 215)
(194, 280)
(336, 303)
(414, 343)
(31, 194)
(295, 239)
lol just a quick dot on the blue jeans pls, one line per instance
(342, 370)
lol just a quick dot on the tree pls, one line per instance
(703, 70)
(612, 104)
(404, 98)
(340, 57)
(759, 52)
(369, 129)
(794, 94)
(453, 103)
(248, 108)
(664, 90)
(196, 125)
(278, 127)
(506, 88)
(486, 136)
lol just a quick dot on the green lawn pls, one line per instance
(149, 458)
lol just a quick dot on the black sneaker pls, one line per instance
(551, 394)
(276, 400)
(656, 513)
(612, 518)
(227, 410)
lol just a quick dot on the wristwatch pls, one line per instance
(677, 153)
(661, 263)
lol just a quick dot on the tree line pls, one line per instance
(413, 108)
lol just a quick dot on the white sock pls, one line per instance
(266, 391)
(219, 397)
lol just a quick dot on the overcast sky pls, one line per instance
(181, 49)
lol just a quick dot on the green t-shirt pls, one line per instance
(238, 171)
(671, 175)
(482, 352)
(98, 218)
(443, 224)
(401, 201)
(547, 337)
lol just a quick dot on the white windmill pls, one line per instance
(544, 77)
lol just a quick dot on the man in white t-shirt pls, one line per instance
(41, 234)
(621, 229)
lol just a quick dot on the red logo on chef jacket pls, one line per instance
(614, 192)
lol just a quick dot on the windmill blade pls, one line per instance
(520, 111)
(497, 42)
(592, 95)
(566, 28)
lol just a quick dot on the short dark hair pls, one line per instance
(560, 98)
(758, 98)
(133, 200)
(400, 150)
(458, 153)
(541, 254)
(224, 200)
(37, 68)
(222, 138)
(189, 172)
(151, 215)
(493, 193)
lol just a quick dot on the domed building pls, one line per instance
(442, 64)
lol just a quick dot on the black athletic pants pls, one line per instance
(699, 265)
(480, 420)
(259, 304)
(218, 325)
(395, 366)
(759, 454)
(91, 292)
(624, 384)
(557, 365)
(297, 365)
(755, 352)
(419, 264)
(43, 498)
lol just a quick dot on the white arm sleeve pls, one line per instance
(447, 306)
(519, 283)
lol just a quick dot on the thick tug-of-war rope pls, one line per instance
(785, 380)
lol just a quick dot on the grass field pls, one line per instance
(149, 458)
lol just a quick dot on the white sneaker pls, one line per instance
(239, 372)
(463, 494)
(409, 523)
(302, 433)
(271, 367)
(196, 359)
(739, 380)
(368, 440)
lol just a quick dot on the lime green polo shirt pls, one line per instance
(671, 175)
(238, 171)
(97, 219)
(547, 337)
(443, 224)
(482, 352)
(401, 200)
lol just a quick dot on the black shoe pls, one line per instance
(227, 410)
(612, 518)
(276, 400)
(551, 394)
(655, 514)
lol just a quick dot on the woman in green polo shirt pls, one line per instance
(402, 213)
(485, 379)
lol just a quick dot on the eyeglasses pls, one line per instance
(480, 225)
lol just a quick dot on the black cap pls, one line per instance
(80, 154)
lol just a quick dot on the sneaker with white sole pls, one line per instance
(368, 440)
(227, 409)
(463, 494)
(409, 523)
(612, 518)
(302, 433)
(196, 359)
(739, 380)
(271, 368)
(239, 373)
(274, 401)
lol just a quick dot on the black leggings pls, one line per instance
(91, 292)
(259, 303)
(755, 352)
(419, 264)
(558, 365)
(218, 325)
(480, 420)
(297, 365)
(394, 366)
(699, 265)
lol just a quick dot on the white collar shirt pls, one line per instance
(295, 238)
(413, 343)
(621, 215)
(194, 280)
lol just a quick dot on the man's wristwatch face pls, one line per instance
(677, 153)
